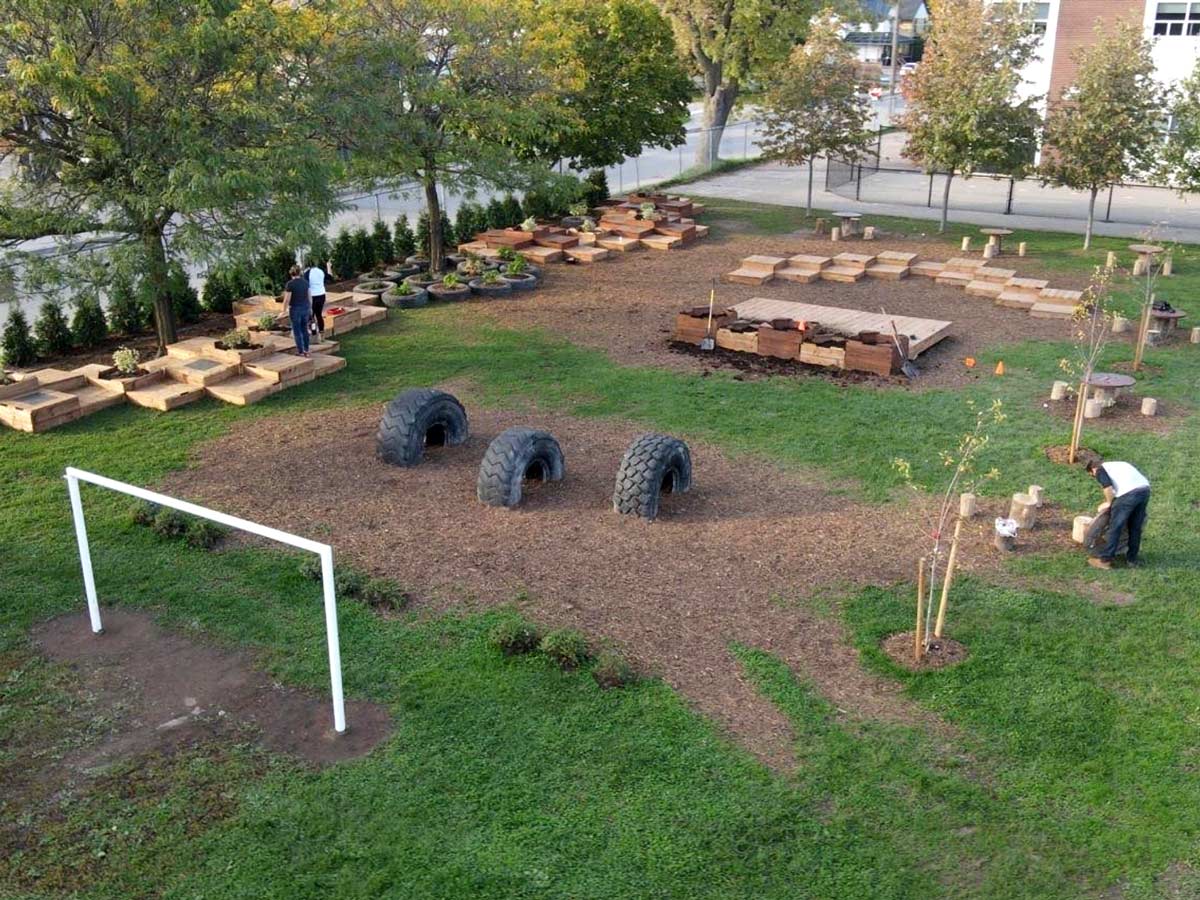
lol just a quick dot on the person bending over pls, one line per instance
(1126, 496)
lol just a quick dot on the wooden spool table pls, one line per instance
(849, 222)
(1146, 253)
(996, 237)
(1107, 386)
(1167, 322)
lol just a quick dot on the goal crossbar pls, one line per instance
(324, 552)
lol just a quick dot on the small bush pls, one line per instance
(51, 331)
(203, 534)
(349, 582)
(384, 593)
(310, 568)
(184, 301)
(170, 523)
(88, 325)
(595, 187)
(513, 212)
(19, 348)
(218, 293)
(566, 647)
(276, 266)
(236, 338)
(126, 360)
(404, 240)
(464, 224)
(364, 251)
(343, 256)
(496, 215)
(127, 310)
(513, 637)
(423, 233)
(612, 671)
(145, 513)
(381, 239)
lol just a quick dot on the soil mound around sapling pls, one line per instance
(942, 652)
(1059, 453)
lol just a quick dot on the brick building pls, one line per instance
(1067, 25)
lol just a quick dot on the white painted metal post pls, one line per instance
(335, 651)
(85, 554)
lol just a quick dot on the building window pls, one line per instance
(1041, 15)
(1171, 19)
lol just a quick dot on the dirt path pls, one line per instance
(725, 563)
(626, 306)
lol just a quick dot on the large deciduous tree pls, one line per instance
(176, 130)
(1181, 156)
(1104, 126)
(626, 88)
(730, 42)
(964, 115)
(449, 94)
(813, 104)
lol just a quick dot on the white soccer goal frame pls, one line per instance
(323, 551)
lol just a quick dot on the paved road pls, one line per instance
(978, 201)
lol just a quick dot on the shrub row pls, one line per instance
(171, 523)
(566, 647)
(348, 582)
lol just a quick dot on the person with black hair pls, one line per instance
(297, 308)
(1127, 496)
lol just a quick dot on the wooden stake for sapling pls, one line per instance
(1143, 334)
(950, 563)
(918, 635)
(1077, 427)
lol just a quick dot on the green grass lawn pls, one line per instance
(1072, 767)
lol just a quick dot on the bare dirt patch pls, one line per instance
(942, 652)
(165, 690)
(626, 306)
(673, 594)
(1124, 415)
(1060, 453)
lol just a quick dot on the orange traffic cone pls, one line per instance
(1000, 367)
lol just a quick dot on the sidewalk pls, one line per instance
(781, 185)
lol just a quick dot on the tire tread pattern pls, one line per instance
(400, 440)
(508, 458)
(647, 462)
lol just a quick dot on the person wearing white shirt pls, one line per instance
(316, 293)
(1126, 495)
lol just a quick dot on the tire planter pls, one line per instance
(416, 419)
(422, 280)
(395, 300)
(512, 457)
(402, 271)
(453, 259)
(439, 291)
(499, 288)
(421, 262)
(1097, 536)
(463, 268)
(571, 221)
(375, 287)
(654, 464)
(523, 282)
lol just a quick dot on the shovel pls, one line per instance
(707, 342)
(907, 367)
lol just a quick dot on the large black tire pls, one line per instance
(515, 455)
(654, 464)
(416, 419)
(1096, 538)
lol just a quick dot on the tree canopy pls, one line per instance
(964, 115)
(177, 129)
(1104, 126)
(813, 104)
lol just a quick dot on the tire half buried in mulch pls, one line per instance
(416, 419)
(942, 652)
(513, 457)
(654, 464)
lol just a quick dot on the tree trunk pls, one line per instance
(433, 208)
(1087, 234)
(156, 276)
(945, 203)
(718, 104)
(812, 160)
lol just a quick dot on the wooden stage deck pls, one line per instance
(922, 333)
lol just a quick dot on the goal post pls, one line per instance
(324, 553)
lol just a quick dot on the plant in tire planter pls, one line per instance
(450, 288)
(516, 274)
(490, 284)
(473, 266)
(405, 296)
(422, 280)
(577, 212)
(374, 288)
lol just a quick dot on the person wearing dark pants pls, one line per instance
(1127, 496)
(316, 275)
(298, 309)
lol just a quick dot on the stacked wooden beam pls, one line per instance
(847, 267)
(803, 268)
(756, 270)
(891, 265)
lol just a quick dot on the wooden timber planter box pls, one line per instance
(239, 355)
(815, 355)
(779, 344)
(880, 359)
(108, 379)
(741, 342)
